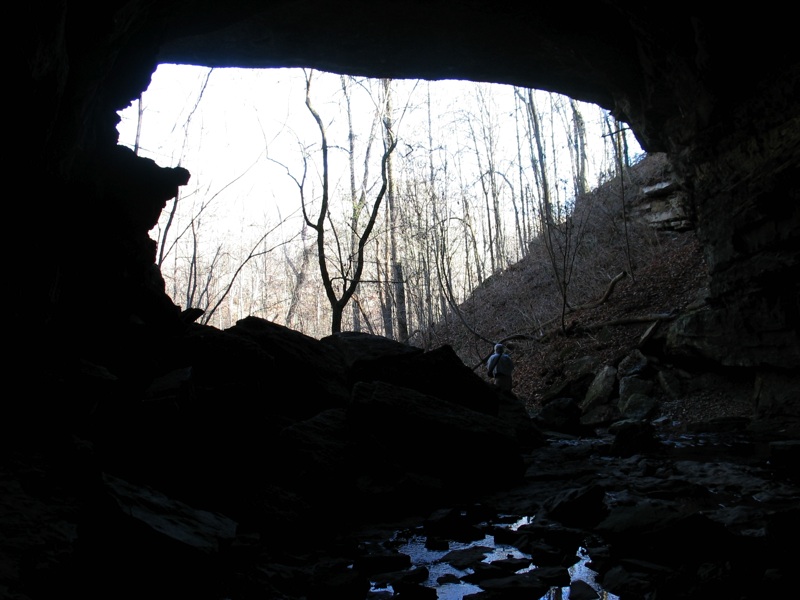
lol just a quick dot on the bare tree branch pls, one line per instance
(253, 254)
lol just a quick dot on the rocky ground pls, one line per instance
(698, 516)
(696, 506)
(673, 281)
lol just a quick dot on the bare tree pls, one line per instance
(185, 141)
(617, 135)
(547, 211)
(559, 232)
(357, 200)
(299, 275)
(339, 299)
(254, 252)
(398, 282)
(383, 281)
(484, 143)
(577, 147)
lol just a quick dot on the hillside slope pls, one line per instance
(660, 271)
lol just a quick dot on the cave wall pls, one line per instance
(718, 94)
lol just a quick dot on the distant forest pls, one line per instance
(361, 204)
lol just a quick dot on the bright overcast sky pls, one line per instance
(246, 116)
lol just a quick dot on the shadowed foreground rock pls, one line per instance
(218, 480)
(255, 430)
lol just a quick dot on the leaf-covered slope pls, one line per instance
(664, 272)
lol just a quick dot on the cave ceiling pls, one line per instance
(668, 73)
(432, 40)
(594, 54)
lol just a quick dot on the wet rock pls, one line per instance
(414, 591)
(627, 584)
(467, 558)
(338, 583)
(785, 453)
(382, 562)
(633, 437)
(526, 585)
(453, 524)
(580, 590)
(396, 579)
(580, 507)
(462, 447)
(560, 414)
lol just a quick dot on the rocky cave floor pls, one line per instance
(710, 510)
(702, 513)
(705, 514)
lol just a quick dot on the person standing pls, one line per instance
(500, 368)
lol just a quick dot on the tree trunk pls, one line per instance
(579, 149)
(399, 296)
(299, 274)
(400, 303)
(384, 292)
(356, 200)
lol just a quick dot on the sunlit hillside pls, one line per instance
(643, 272)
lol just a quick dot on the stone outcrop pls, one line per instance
(254, 431)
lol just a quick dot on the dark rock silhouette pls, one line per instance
(145, 455)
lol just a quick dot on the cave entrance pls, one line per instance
(467, 178)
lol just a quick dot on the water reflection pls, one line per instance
(446, 579)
